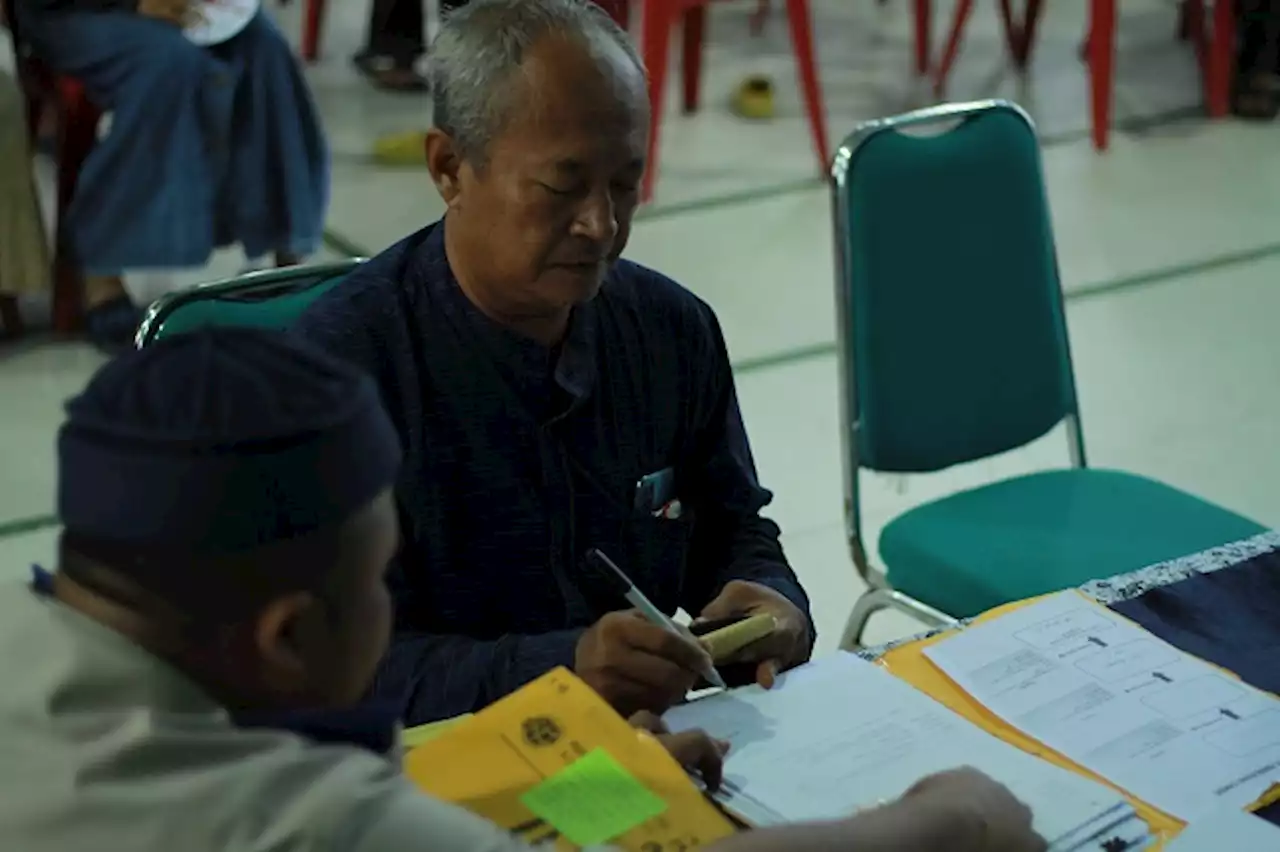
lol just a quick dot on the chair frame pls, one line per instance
(163, 308)
(879, 594)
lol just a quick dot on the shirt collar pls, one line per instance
(371, 726)
(528, 365)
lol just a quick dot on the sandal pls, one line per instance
(389, 74)
(111, 325)
(1256, 96)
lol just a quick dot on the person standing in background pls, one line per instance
(24, 254)
(1257, 87)
(206, 147)
(395, 43)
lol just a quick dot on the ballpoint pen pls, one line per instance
(637, 599)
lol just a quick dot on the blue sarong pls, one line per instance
(206, 147)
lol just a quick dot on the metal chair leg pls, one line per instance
(875, 600)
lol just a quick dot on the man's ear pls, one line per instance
(445, 165)
(282, 632)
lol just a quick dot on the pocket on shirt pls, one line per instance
(659, 555)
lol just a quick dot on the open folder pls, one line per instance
(840, 735)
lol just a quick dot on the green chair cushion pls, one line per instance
(1045, 532)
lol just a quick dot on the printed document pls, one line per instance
(841, 734)
(1172, 730)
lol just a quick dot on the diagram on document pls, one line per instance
(1169, 728)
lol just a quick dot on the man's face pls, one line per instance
(551, 205)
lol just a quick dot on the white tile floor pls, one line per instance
(1173, 366)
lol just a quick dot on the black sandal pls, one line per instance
(1256, 96)
(388, 73)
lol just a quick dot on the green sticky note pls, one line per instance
(593, 800)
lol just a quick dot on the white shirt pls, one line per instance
(106, 748)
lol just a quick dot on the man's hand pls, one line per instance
(636, 665)
(180, 13)
(789, 643)
(694, 750)
(990, 817)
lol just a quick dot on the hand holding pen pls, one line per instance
(639, 659)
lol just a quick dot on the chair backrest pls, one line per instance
(952, 336)
(273, 298)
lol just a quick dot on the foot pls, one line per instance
(111, 325)
(389, 74)
(1257, 96)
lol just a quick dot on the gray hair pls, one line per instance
(480, 47)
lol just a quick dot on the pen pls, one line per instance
(637, 599)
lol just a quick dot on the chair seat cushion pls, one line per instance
(1045, 532)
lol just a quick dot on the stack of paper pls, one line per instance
(840, 735)
(1170, 729)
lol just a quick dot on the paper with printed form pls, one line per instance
(841, 734)
(1170, 729)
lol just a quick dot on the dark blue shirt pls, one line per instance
(519, 459)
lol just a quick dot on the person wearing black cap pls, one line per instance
(189, 678)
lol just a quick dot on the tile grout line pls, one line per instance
(1085, 292)
(25, 526)
(335, 241)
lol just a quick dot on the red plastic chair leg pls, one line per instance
(655, 44)
(798, 18)
(1021, 36)
(77, 133)
(924, 35)
(1102, 31)
(695, 29)
(958, 23)
(1218, 64)
(312, 25)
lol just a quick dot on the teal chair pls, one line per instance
(272, 298)
(953, 347)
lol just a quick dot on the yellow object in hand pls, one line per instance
(727, 641)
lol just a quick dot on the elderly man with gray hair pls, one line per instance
(552, 398)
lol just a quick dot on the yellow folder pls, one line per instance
(554, 762)
(909, 663)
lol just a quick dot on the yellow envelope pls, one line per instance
(553, 761)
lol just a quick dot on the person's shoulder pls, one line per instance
(369, 293)
(657, 299)
(326, 797)
(355, 801)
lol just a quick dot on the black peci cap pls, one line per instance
(219, 441)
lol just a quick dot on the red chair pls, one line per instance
(75, 121)
(1214, 50)
(660, 16)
